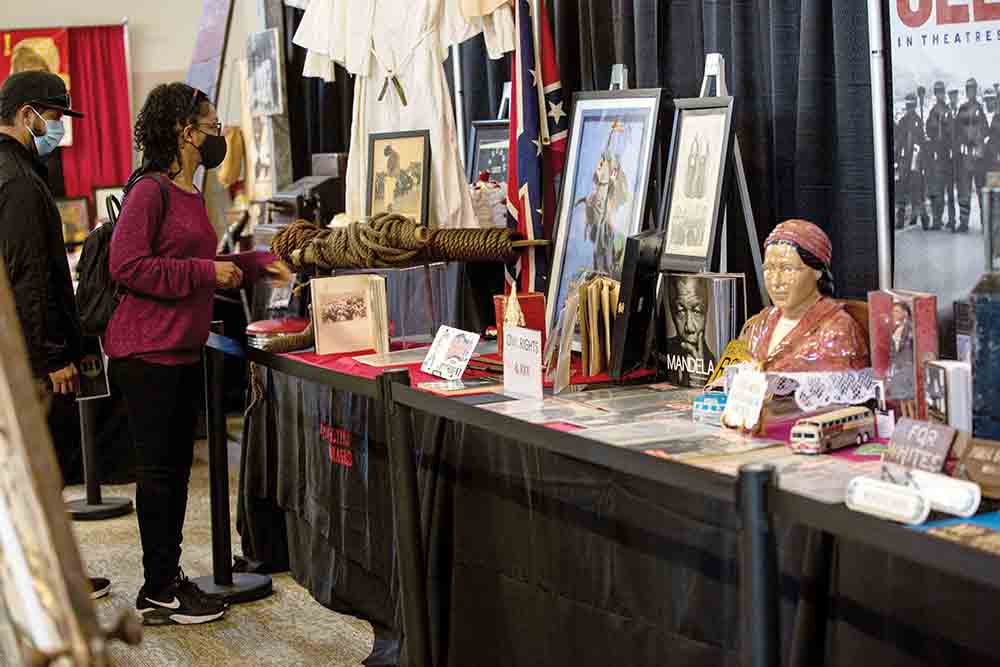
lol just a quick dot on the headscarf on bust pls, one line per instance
(812, 244)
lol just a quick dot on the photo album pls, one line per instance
(350, 314)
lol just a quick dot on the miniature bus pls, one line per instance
(708, 408)
(833, 430)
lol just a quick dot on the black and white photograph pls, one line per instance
(399, 173)
(605, 181)
(937, 393)
(945, 138)
(696, 180)
(697, 317)
(489, 148)
(264, 69)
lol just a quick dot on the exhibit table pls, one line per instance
(542, 547)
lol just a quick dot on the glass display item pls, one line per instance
(806, 329)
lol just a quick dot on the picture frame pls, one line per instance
(100, 201)
(696, 183)
(489, 150)
(75, 215)
(406, 154)
(266, 73)
(605, 187)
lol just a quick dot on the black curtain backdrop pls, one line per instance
(319, 113)
(798, 68)
(800, 72)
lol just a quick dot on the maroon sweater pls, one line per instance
(169, 276)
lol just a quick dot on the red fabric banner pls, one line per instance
(101, 154)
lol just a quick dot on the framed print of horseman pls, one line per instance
(604, 187)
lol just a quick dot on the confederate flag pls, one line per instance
(538, 130)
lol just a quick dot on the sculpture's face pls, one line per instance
(790, 283)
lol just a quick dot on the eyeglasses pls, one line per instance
(783, 270)
(213, 128)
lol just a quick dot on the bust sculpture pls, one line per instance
(806, 329)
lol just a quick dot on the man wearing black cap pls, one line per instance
(32, 105)
(940, 171)
(909, 140)
(972, 130)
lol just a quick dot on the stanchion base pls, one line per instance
(108, 508)
(245, 588)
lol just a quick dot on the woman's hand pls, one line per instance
(278, 274)
(227, 275)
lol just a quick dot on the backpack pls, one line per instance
(97, 295)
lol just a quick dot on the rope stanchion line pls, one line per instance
(391, 240)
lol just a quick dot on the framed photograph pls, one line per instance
(101, 197)
(265, 72)
(75, 214)
(489, 145)
(604, 187)
(696, 182)
(399, 173)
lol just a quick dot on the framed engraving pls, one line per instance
(696, 183)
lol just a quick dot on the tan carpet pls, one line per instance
(289, 628)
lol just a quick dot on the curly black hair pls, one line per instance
(169, 108)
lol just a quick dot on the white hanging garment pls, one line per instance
(377, 40)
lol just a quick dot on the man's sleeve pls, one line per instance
(22, 247)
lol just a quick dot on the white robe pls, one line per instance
(412, 38)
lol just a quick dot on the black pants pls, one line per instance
(162, 406)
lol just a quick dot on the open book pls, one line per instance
(350, 314)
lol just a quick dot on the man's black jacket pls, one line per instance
(33, 251)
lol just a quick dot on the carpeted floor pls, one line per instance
(287, 629)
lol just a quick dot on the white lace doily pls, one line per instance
(814, 391)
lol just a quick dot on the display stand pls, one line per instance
(94, 507)
(713, 84)
(223, 584)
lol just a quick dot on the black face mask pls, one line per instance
(213, 151)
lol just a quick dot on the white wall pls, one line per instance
(161, 32)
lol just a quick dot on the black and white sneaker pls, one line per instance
(182, 603)
(99, 587)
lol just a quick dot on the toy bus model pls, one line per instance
(833, 430)
(708, 408)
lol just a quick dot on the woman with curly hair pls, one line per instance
(163, 258)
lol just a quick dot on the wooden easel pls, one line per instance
(713, 84)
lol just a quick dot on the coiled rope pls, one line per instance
(390, 240)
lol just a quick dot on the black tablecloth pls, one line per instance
(315, 495)
(538, 559)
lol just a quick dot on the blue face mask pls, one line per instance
(54, 132)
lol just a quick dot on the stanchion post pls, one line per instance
(94, 507)
(406, 520)
(758, 569)
(223, 584)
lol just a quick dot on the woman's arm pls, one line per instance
(133, 263)
(253, 264)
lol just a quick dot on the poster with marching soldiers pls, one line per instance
(946, 138)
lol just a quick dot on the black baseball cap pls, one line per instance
(37, 88)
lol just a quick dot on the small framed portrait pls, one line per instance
(489, 146)
(696, 183)
(604, 187)
(399, 176)
(265, 72)
(75, 214)
(101, 200)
